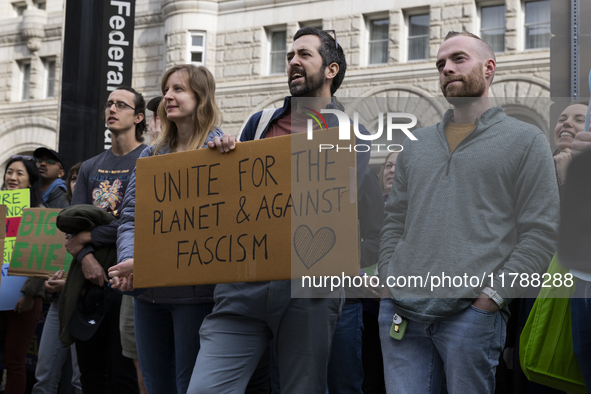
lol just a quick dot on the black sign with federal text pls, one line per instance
(116, 55)
(97, 57)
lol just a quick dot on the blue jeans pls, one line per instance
(167, 337)
(466, 347)
(345, 369)
(246, 317)
(52, 356)
(580, 311)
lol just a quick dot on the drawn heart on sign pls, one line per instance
(312, 248)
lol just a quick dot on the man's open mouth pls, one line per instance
(296, 76)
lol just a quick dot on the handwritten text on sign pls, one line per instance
(39, 248)
(2, 228)
(203, 217)
(16, 201)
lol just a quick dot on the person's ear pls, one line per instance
(61, 173)
(489, 68)
(331, 71)
(138, 118)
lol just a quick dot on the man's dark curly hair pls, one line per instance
(140, 108)
(329, 52)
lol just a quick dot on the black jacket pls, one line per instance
(73, 220)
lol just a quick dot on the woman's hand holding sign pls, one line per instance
(225, 144)
(122, 275)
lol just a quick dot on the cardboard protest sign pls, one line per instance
(324, 227)
(272, 209)
(39, 249)
(2, 229)
(15, 201)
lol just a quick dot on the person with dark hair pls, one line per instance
(139, 107)
(154, 126)
(19, 324)
(572, 129)
(570, 122)
(475, 197)
(102, 182)
(52, 356)
(330, 53)
(247, 317)
(23, 175)
(51, 169)
(386, 175)
(71, 181)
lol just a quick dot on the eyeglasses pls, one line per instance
(48, 161)
(334, 32)
(120, 105)
(21, 157)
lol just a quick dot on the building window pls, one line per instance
(418, 37)
(537, 24)
(492, 28)
(278, 52)
(316, 24)
(25, 68)
(19, 8)
(378, 41)
(49, 78)
(40, 5)
(197, 48)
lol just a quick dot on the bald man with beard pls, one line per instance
(475, 195)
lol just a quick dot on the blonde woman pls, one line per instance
(167, 320)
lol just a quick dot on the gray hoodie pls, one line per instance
(489, 208)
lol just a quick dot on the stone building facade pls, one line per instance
(241, 42)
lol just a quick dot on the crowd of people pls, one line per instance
(478, 191)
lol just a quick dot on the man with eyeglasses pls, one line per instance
(101, 182)
(53, 187)
(248, 317)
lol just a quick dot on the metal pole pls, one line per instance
(574, 49)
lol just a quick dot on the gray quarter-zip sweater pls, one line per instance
(490, 207)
